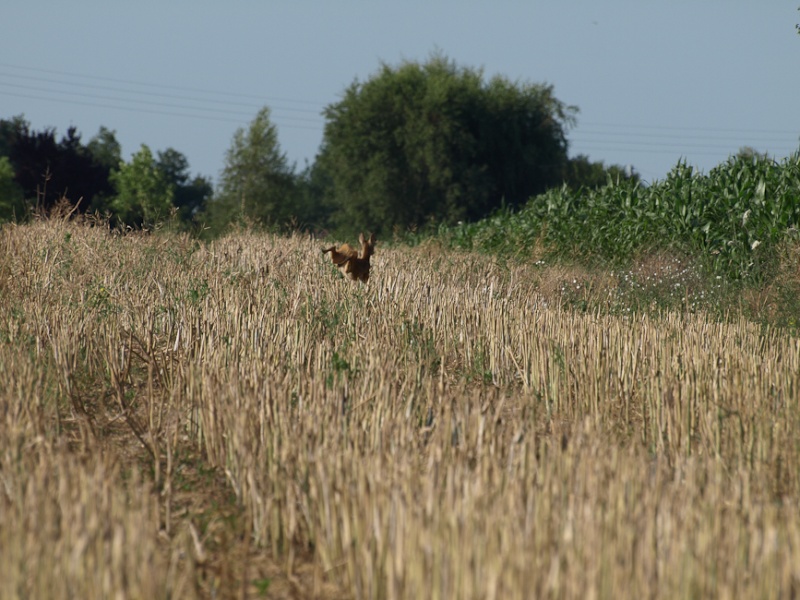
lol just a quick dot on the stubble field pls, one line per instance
(235, 419)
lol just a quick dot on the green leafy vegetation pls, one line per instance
(257, 184)
(144, 195)
(436, 142)
(415, 145)
(733, 219)
(40, 173)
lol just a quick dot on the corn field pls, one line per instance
(735, 217)
(236, 419)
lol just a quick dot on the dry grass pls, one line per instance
(208, 421)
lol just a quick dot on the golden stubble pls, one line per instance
(448, 431)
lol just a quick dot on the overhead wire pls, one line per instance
(159, 85)
(152, 94)
(50, 85)
(666, 139)
(201, 109)
(187, 104)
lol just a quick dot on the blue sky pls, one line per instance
(655, 81)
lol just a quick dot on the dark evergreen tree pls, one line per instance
(190, 194)
(47, 169)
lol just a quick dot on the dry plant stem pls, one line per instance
(450, 430)
(120, 374)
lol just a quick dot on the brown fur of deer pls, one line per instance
(353, 264)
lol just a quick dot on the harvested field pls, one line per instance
(181, 420)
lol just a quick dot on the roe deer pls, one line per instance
(353, 264)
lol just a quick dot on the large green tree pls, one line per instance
(257, 184)
(437, 142)
(143, 193)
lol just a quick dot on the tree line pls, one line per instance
(417, 144)
(38, 170)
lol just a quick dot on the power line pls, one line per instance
(157, 104)
(142, 110)
(620, 126)
(786, 138)
(46, 85)
(161, 86)
(188, 104)
(686, 145)
(672, 152)
(606, 129)
(84, 86)
(5, 86)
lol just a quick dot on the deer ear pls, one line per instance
(361, 238)
(371, 238)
